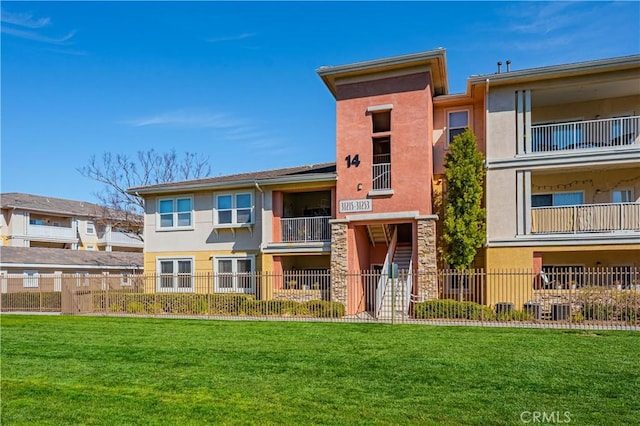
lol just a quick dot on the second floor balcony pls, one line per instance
(586, 218)
(54, 233)
(306, 229)
(608, 133)
(121, 238)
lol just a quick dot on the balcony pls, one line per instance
(54, 233)
(381, 172)
(578, 135)
(586, 218)
(306, 229)
(121, 239)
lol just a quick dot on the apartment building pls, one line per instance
(46, 222)
(232, 226)
(562, 152)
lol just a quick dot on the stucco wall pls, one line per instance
(202, 236)
(411, 145)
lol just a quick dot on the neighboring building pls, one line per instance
(41, 261)
(562, 188)
(38, 221)
(42, 268)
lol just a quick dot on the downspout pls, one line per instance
(486, 164)
(261, 211)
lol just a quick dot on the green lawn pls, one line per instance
(95, 370)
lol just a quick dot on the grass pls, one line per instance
(112, 371)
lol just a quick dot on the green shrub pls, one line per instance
(452, 309)
(135, 308)
(601, 311)
(32, 301)
(514, 315)
(322, 309)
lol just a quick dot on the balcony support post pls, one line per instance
(527, 121)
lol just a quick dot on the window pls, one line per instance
(458, 122)
(175, 213)
(234, 209)
(622, 196)
(125, 279)
(234, 274)
(90, 247)
(82, 279)
(557, 199)
(30, 279)
(381, 167)
(381, 121)
(91, 229)
(175, 275)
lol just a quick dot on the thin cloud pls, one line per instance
(238, 37)
(34, 36)
(185, 119)
(23, 20)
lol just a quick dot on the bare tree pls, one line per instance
(118, 172)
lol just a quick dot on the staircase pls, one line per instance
(379, 234)
(402, 257)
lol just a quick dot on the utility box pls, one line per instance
(393, 271)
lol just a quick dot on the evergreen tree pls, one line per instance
(464, 218)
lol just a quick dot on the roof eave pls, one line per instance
(330, 73)
(611, 64)
(165, 189)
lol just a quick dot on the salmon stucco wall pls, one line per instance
(411, 131)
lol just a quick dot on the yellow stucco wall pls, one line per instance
(517, 286)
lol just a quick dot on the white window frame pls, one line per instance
(234, 271)
(125, 279)
(91, 227)
(234, 209)
(552, 193)
(174, 213)
(174, 275)
(30, 278)
(448, 112)
(621, 190)
(82, 278)
(90, 247)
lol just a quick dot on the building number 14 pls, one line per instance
(355, 161)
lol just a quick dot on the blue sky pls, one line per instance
(237, 81)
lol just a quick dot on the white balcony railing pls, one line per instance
(382, 176)
(118, 238)
(306, 229)
(610, 132)
(586, 218)
(52, 232)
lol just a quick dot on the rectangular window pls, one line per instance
(175, 213)
(91, 229)
(176, 275)
(234, 209)
(90, 247)
(381, 167)
(458, 122)
(557, 199)
(234, 274)
(30, 279)
(381, 121)
(622, 196)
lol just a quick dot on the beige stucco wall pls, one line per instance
(601, 108)
(596, 185)
(203, 236)
(501, 123)
(501, 204)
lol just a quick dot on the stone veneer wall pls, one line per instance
(427, 267)
(339, 262)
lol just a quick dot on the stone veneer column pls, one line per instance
(339, 263)
(427, 266)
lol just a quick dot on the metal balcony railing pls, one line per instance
(610, 132)
(586, 218)
(306, 229)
